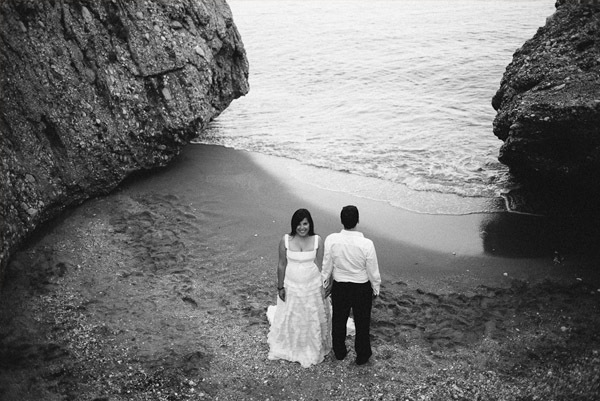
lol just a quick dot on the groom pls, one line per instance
(351, 273)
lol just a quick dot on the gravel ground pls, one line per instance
(120, 300)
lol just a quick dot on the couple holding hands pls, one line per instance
(344, 266)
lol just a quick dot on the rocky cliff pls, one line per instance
(548, 103)
(91, 91)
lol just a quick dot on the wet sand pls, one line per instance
(159, 291)
(431, 252)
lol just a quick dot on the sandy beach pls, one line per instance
(158, 291)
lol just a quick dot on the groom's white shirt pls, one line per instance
(350, 257)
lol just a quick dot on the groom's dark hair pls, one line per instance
(349, 216)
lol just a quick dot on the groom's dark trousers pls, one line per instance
(359, 299)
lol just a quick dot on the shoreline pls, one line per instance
(422, 249)
(254, 199)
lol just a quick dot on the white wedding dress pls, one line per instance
(301, 326)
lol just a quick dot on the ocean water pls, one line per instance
(384, 99)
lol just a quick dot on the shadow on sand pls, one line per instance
(545, 225)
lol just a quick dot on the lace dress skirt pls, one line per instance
(301, 326)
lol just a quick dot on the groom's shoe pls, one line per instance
(340, 357)
(362, 360)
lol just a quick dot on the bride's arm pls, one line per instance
(319, 258)
(281, 266)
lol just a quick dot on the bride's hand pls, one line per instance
(327, 288)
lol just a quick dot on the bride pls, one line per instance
(301, 324)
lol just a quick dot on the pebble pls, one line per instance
(87, 16)
(199, 51)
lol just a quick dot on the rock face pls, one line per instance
(91, 91)
(548, 103)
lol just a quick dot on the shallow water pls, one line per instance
(396, 94)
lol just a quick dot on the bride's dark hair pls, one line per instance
(297, 217)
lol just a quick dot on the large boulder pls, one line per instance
(548, 103)
(91, 91)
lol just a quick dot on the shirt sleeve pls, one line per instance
(327, 261)
(373, 270)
